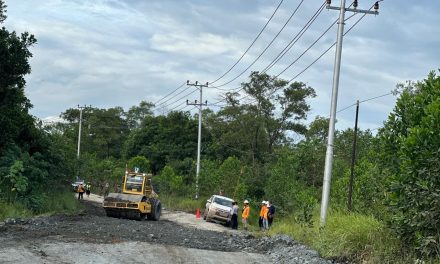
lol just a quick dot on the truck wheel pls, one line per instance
(156, 210)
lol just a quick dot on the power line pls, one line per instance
(313, 62)
(169, 94)
(180, 98)
(302, 54)
(294, 39)
(283, 52)
(363, 101)
(265, 49)
(253, 42)
(172, 97)
(289, 46)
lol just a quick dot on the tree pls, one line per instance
(136, 114)
(17, 125)
(411, 141)
(170, 182)
(103, 130)
(277, 107)
(162, 139)
(30, 159)
(139, 162)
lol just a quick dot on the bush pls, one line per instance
(411, 141)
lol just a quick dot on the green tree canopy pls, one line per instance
(411, 150)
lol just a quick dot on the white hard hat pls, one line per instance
(246, 201)
(263, 202)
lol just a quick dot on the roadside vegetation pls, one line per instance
(256, 149)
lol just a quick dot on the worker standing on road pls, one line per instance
(245, 214)
(271, 213)
(80, 192)
(265, 218)
(234, 219)
(262, 209)
(88, 188)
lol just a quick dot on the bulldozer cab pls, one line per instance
(137, 183)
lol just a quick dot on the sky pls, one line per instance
(108, 53)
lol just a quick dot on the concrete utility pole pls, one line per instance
(199, 141)
(336, 72)
(81, 108)
(79, 130)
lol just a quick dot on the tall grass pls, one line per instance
(347, 236)
(14, 210)
(62, 202)
(58, 202)
(183, 204)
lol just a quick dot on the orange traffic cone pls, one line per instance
(197, 213)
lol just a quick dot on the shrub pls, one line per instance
(354, 237)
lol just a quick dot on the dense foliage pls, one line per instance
(411, 144)
(32, 162)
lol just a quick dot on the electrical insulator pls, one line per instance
(197, 82)
(329, 2)
(376, 6)
(187, 81)
(355, 4)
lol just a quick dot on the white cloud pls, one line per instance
(114, 52)
(202, 44)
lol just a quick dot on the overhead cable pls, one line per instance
(184, 96)
(253, 42)
(264, 50)
(294, 39)
(155, 103)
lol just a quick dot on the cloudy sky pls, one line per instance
(108, 53)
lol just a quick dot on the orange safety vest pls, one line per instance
(265, 212)
(80, 189)
(246, 212)
(262, 210)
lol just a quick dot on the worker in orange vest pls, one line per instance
(245, 214)
(80, 191)
(265, 218)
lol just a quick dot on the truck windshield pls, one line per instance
(224, 202)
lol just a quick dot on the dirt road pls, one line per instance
(92, 237)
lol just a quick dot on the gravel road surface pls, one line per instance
(92, 237)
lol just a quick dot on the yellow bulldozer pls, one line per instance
(137, 199)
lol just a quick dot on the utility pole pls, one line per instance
(336, 72)
(79, 130)
(199, 104)
(353, 159)
(81, 108)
